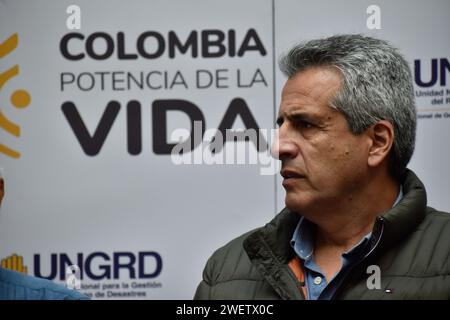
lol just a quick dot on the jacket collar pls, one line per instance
(403, 218)
(269, 250)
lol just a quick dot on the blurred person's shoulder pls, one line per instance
(17, 286)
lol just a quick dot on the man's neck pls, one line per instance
(344, 225)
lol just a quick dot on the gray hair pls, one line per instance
(377, 85)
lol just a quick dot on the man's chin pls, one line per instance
(295, 203)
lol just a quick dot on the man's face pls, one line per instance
(323, 162)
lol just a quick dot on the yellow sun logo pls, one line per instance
(19, 98)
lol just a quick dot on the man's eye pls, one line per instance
(304, 124)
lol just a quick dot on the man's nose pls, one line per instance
(284, 147)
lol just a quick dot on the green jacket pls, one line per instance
(410, 243)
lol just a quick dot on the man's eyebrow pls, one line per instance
(298, 116)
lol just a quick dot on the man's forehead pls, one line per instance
(288, 110)
(312, 78)
(310, 91)
(307, 107)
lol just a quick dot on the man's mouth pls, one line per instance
(291, 174)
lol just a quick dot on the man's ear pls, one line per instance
(382, 137)
(2, 189)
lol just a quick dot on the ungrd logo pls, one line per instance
(435, 75)
(14, 262)
(98, 266)
(19, 98)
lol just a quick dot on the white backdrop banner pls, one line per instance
(93, 95)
